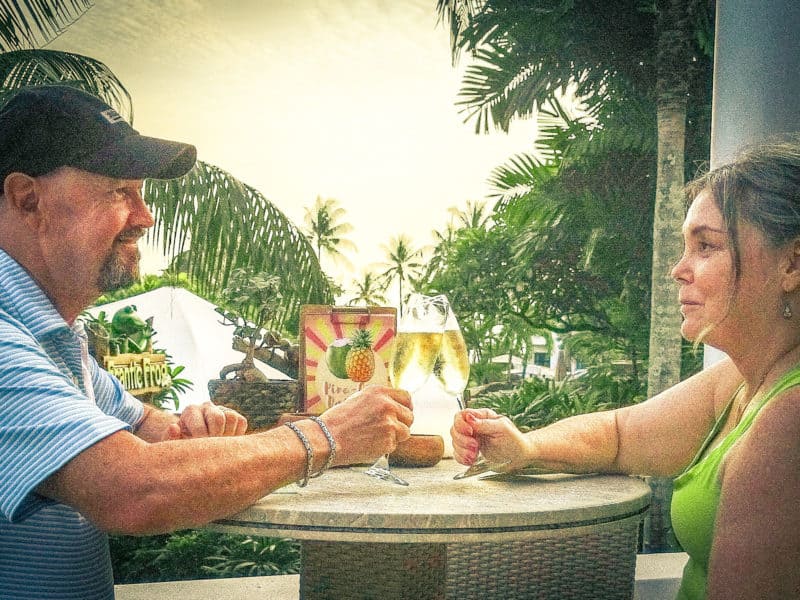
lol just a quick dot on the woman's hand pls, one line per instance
(369, 423)
(495, 436)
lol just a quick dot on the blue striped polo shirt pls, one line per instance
(49, 550)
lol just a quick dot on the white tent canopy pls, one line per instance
(190, 330)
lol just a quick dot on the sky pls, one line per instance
(347, 99)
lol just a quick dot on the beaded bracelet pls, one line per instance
(309, 452)
(331, 443)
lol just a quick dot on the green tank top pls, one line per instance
(696, 494)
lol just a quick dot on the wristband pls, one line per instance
(309, 452)
(331, 444)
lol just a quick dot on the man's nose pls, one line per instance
(141, 215)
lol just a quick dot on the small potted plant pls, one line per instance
(250, 303)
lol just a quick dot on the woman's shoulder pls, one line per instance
(772, 441)
(757, 521)
(779, 418)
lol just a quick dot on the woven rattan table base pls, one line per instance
(593, 565)
(368, 571)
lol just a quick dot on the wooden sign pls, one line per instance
(146, 373)
(342, 349)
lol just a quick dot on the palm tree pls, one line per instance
(208, 221)
(403, 262)
(474, 216)
(326, 231)
(369, 291)
(675, 51)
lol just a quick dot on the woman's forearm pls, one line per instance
(581, 444)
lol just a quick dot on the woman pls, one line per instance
(731, 433)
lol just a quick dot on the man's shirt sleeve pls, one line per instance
(45, 419)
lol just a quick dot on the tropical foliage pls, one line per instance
(200, 554)
(565, 250)
(538, 402)
(33, 24)
(213, 224)
(626, 68)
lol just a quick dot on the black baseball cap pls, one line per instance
(46, 127)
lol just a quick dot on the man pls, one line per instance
(80, 457)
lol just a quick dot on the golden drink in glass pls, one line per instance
(413, 358)
(452, 368)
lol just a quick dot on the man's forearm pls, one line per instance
(155, 424)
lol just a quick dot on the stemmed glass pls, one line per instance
(452, 370)
(416, 347)
(452, 365)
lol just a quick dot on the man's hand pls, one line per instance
(207, 420)
(369, 423)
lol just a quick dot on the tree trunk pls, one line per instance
(674, 63)
(665, 318)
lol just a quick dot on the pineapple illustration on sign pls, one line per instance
(360, 359)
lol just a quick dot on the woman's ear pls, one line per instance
(791, 274)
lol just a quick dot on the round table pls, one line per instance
(532, 536)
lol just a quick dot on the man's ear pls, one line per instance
(791, 273)
(20, 193)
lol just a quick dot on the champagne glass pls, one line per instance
(419, 338)
(452, 365)
(452, 370)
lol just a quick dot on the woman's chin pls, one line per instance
(688, 332)
(693, 333)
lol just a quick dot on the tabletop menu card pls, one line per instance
(342, 349)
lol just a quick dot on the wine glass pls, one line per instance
(416, 347)
(452, 370)
(452, 365)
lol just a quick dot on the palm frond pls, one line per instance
(23, 68)
(526, 54)
(518, 177)
(456, 15)
(34, 23)
(216, 223)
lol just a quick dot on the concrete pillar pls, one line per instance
(756, 79)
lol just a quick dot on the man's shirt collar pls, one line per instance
(22, 298)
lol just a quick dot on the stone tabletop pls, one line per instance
(347, 505)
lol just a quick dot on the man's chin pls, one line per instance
(118, 274)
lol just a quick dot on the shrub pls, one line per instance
(538, 402)
(200, 554)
